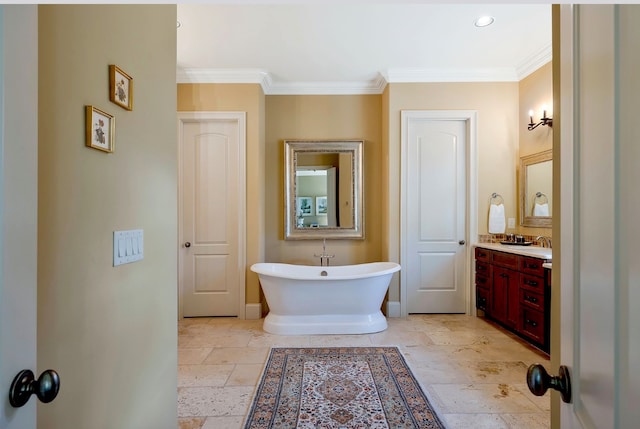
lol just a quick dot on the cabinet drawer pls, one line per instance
(532, 266)
(482, 298)
(482, 281)
(532, 299)
(532, 283)
(483, 268)
(533, 324)
(507, 260)
(483, 254)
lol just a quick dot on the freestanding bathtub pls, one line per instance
(306, 299)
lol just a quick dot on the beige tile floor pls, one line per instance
(473, 372)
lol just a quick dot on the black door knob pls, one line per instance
(187, 244)
(539, 381)
(46, 387)
(461, 242)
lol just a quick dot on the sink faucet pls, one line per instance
(546, 241)
(324, 258)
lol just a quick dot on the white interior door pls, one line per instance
(600, 208)
(212, 213)
(18, 205)
(434, 211)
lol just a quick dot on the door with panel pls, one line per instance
(498, 303)
(434, 211)
(596, 277)
(600, 209)
(19, 372)
(212, 213)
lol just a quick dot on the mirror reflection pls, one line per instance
(536, 189)
(323, 189)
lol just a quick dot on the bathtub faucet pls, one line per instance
(324, 258)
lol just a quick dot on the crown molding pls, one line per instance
(535, 61)
(196, 75)
(375, 86)
(263, 78)
(450, 75)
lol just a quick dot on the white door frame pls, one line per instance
(471, 222)
(598, 219)
(240, 118)
(19, 208)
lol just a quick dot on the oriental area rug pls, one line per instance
(339, 388)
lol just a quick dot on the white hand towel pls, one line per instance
(541, 209)
(497, 222)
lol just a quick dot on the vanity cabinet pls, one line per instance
(512, 290)
(483, 278)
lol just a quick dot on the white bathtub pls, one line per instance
(346, 300)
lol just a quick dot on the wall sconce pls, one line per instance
(543, 121)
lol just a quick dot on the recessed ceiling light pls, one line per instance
(483, 21)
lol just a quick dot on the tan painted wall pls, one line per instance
(384, 174)
(110, 331)
(323, 117)
(376, 118)
(497, 145)
(536, 90)
(240, 98)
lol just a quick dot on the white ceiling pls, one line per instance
(354, 47)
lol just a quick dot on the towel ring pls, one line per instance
(541, 195)
(495, 196)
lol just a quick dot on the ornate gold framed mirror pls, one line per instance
(536, 189)
(323, 189)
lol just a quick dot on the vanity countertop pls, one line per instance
(546, 265)
(533, 251)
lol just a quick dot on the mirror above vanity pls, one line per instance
(536, 188)
(323, 189)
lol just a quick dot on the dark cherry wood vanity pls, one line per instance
(514, 290)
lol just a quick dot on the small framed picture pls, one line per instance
(120, 87)
(99, 129)
(321, 205)
(304, 206)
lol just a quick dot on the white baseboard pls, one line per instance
(253, 311)
(393, 308)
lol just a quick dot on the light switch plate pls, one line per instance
(511, 222)
(128, 246)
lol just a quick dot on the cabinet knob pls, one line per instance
(539, 381)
